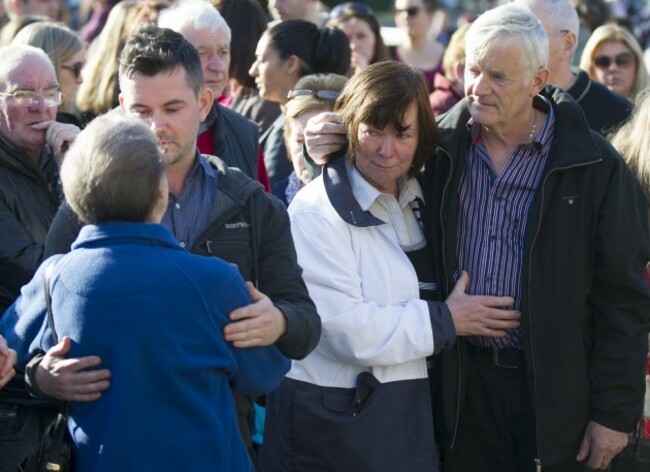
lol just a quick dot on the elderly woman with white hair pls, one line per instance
(169, 406)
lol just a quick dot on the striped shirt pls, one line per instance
(492, 218)
(187, 214)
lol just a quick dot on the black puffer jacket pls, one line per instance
(29, 198)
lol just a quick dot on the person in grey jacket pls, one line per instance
(213, 210)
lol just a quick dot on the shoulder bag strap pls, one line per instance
(48, 298)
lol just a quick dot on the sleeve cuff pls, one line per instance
(30, 377)
(444, 332)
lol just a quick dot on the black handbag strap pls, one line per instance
(49, 270)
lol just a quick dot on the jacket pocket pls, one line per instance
(234, 245)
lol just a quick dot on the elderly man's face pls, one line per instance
(169, 106)
(498, 91)
(34, 74)
(214, 49)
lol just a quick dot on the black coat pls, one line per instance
(585, 306)
(29, 198)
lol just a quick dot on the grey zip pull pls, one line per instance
(538, 465)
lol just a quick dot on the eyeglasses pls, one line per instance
(350, 8)
(321, 94)
(27, 98)
(410, 11)
(624, 59)
(74, 68)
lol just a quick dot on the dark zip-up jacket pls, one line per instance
(29, 198)
(585, 307)
(234, 139)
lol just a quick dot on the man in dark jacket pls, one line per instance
(213, 210)
(538, 207)
(604, 109)
(30, 143)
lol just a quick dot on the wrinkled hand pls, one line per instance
(480, 315)
(258, 324)
(600, 445)
(324, 134)
(70, 379)
(7, 362)
(58, 135)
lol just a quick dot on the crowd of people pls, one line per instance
(296, 246)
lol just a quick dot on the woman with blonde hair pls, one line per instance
(67, 53)
(612, 56)
(311, 95)
(98, 94)
(632, 140)
(448, 87)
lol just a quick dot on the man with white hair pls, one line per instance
(536, 206)
(604, 109)
(224, 133)
(31, 143)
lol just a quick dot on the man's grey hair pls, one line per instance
(12, 55)
(508, 22)
(195, 15)
(562, 14)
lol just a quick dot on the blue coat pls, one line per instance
(154, 313)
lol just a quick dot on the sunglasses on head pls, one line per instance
(321, 94)
(74, 68)
(410, 11)
(623, 59)
(350, 8)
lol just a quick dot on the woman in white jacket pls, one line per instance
(360, 401)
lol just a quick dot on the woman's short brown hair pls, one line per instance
(380, 95)
(112, 171)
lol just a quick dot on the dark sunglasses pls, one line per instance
(350, 8)
(74, 68)
(410, 11)
(623, 59)
(321, 94)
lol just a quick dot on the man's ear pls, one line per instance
(120, 99)
(569, 42)
(206, 99)
(459, 73)
(540, 79)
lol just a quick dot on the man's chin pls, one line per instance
(217, 89)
